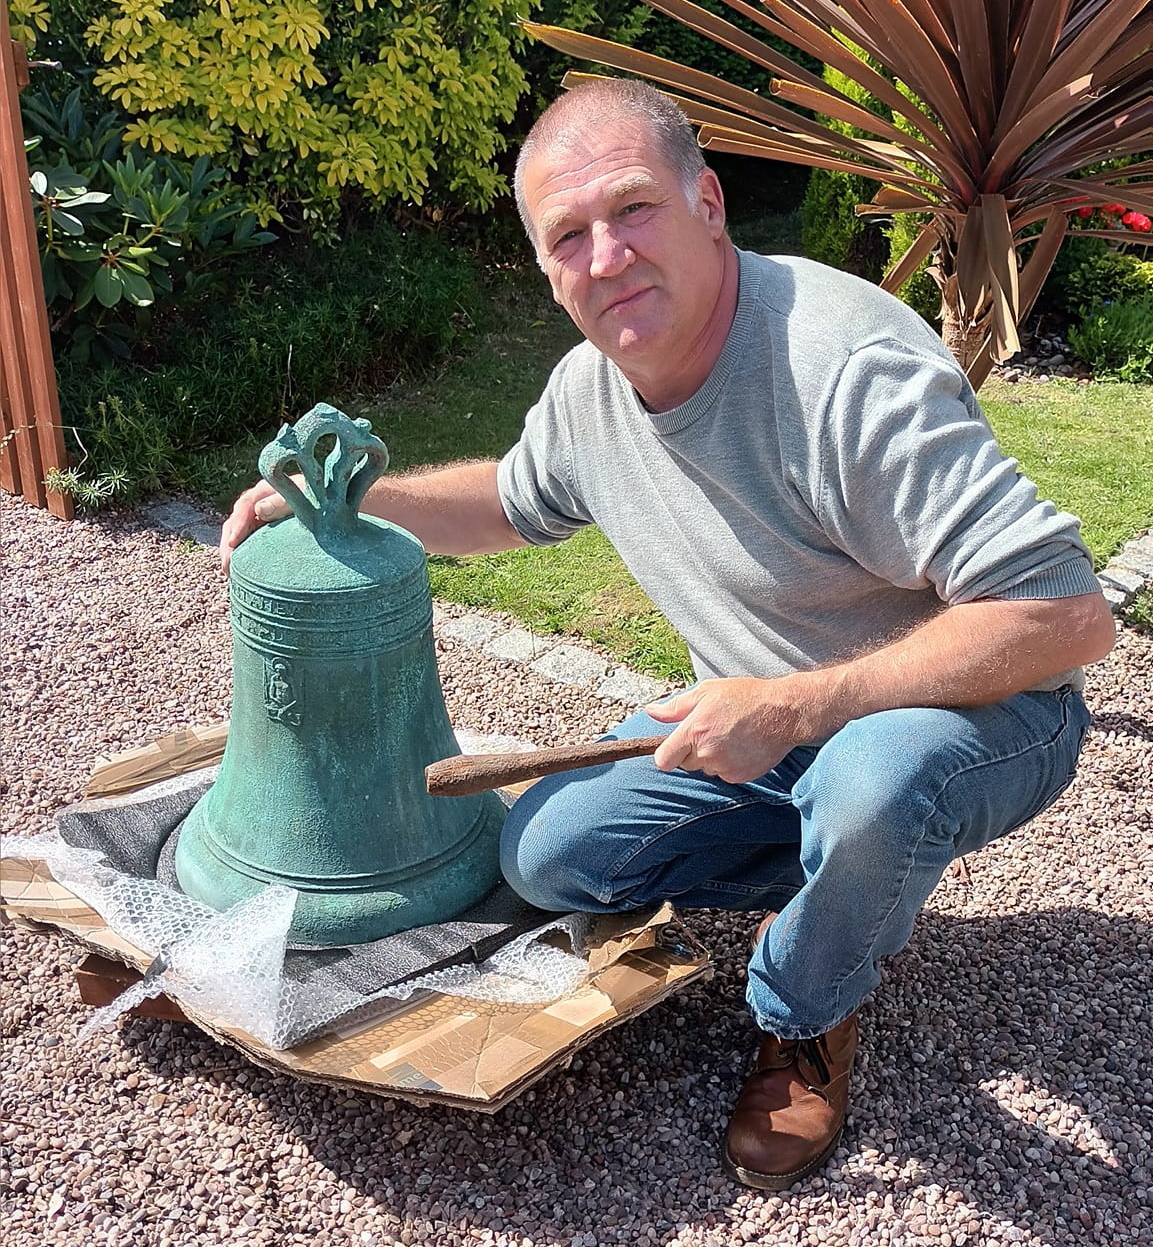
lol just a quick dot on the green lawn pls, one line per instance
(1089, 448)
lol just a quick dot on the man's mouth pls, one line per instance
(625, 301)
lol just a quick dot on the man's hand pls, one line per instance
(259, 505)
(737, 729)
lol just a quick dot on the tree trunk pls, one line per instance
(965, 341)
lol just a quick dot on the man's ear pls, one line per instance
(712, 203)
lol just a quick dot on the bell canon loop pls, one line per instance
(337, 710)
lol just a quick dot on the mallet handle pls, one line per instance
(469, 773)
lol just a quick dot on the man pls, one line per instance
(887, 624)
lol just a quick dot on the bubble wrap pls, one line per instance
(231, 965)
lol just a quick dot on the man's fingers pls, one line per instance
(256, 506)
(672, 710)
(271, 508)
(673, 753)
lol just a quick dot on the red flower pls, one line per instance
(1140, 222)
(1113, 209)
(1085, 212)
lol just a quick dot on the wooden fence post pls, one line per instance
(31, 436)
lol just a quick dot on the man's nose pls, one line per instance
(610, 254)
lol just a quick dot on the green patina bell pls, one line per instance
(337, 709)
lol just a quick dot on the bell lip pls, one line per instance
(352, 884)
(335, 919)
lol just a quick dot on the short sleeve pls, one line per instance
(914, 487)
(535, 478)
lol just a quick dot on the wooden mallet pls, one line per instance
(469, 773)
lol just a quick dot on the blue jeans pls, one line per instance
(845, 840)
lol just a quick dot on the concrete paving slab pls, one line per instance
(206, 534)
(469, 629)
(631, 687)
(517, 645)
(569, 665)
(1136, 556)
(1118, 599)
(174, 515)
(1119, 578)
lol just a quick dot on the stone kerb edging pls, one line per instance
(560, 661)
(1128, 572)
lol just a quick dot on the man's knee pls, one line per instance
(542, 864)
(866, 797)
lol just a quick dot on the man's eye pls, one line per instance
(634, 207)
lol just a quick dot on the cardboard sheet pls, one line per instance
(432, 1049)
(177, 754)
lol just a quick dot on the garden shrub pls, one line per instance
(307, 101)
(296, 328)
(56, 30)
(120, 232)
(1091, 271)
(28, 20)
(1116, 340)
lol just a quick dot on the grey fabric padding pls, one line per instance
(138, 834)
(132, 829)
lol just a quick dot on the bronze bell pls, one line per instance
(337, 709)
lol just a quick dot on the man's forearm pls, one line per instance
(969, 655)
(454, 510)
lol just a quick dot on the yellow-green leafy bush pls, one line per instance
(28, 20)
(305, 100)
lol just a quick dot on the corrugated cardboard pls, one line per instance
(184, 751)
(434, 1049)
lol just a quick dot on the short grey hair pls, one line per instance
(606, 102)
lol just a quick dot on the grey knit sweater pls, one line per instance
(831, 485)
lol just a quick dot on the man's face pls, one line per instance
(637, 269)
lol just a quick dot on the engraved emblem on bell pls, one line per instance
(337, 709)
(280, 699)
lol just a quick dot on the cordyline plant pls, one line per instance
(1004, 112)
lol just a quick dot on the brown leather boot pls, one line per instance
(790, 1114)
(765, 923)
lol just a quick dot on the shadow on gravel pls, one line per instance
(1019, 1046)
(1003, 1067)
(1126, 724)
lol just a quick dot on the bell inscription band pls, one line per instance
(337, 709)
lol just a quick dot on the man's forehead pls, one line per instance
(613, 184)
(589, 144)
(615, 167)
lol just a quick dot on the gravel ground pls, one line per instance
(1003, 1093)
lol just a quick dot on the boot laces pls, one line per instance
(814, 1051)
